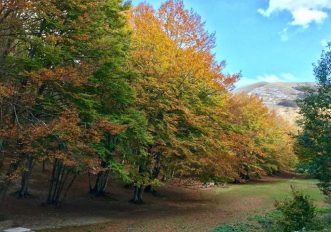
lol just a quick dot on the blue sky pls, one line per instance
(267, 40)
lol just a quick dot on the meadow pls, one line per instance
(191, 209)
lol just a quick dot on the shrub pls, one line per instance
(236, 227)
(298, 213)
(268, 222)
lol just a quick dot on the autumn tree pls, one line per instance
(68, 55)
(103, 89)
(259, 140)
(180, 87)
(14, 15)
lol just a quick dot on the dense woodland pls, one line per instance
(99, 88)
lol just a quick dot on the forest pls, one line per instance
(112, 92)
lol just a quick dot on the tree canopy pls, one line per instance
(104, 89)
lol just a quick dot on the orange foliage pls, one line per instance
(172, 43)
(74, 75)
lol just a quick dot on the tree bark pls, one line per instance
(23, 192)
(2, 156)
(100, 185)
(138, 195)
(4, 185)
(44, 166)
(101, 181)
(57, 189)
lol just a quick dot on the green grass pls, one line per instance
(267, 223)
(236, 227)
(271, 191)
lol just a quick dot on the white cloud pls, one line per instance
(303, 17)
(304, 12)
(284, 77)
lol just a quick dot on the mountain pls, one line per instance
(280, 96)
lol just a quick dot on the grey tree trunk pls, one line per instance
(4, 185)
(2, 156)
(59, 185)
(23, 192)
(138, 195)
(101, 182)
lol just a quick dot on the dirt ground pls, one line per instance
(182, 208)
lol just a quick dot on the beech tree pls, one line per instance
(260, 141)
(102, 89)
(65, 59)
(180, 86)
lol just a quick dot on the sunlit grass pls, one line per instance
(271, 191)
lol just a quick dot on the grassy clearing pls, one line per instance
(263, 219)
(267, 223)
(270, 191)
(235, 204)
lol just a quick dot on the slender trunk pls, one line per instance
(2, 155)
(69, 186)
(173, 172)
(23, 192)
(59, 187)
(44, 166)
(138, 195)
(5, 183)
(89, 182)
(101, 182)
(135, 194)
(139, 189)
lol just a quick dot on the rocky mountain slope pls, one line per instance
(280, 96)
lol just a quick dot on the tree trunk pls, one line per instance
(44, 166)
(101, 182)
(138, 195)
(23, 192)
(139, 189)
(2, 156)
(59, 187)
(155, 174)
(4, 185)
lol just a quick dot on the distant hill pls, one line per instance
(280, 96)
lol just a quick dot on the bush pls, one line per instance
(236, 227)
(298, 213)
(272, 222)
(268, 222)
(323, 219)
(325, 187)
